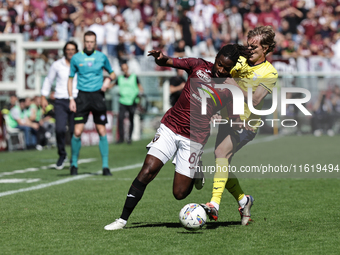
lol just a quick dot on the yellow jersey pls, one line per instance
(247, 76)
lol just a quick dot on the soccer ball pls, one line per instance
(192, 217)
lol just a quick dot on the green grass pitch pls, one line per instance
(45, 211)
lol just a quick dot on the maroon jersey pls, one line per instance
(185, 117)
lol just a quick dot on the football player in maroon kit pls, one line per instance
(184, 130)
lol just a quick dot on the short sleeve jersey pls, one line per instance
(185, 117)
(248, 76)
(89, 70)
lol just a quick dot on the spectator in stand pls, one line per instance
(156, 34)
(124, 4)
(207, 49)
(5, 25)
(13, 99)
(168, 36)
(290, 50)
(25, 22)
(111, 36)
(304, 48)
(127, 36)
(327, 49)
(180, 49)
(110, 8)
(219, 27)
(132, 15)
(141, 39)
(89, 10)
(147, 12)
(235, 21)
(186, 29)
(293, 16)
(49, 19)
(99, 29)
(208, 11)
(17, 119)
(199, 27)
(251, 18)
(267, 16)
(309, 25)
(39, 5)
(12, 13)
(62, 25)
(80, 31)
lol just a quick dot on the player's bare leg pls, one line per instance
(149, 171)
(182, 186)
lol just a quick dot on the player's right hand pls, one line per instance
(73, 106)
(157, 54)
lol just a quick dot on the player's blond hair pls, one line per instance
(267, 35)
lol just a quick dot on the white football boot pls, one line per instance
(117, 224)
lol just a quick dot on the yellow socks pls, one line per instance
(234, 188)
(220, 180)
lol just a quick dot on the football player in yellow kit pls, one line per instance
(259, 75)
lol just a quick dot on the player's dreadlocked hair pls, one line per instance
(234, 51)
(266, 34)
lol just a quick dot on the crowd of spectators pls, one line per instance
(129, 27)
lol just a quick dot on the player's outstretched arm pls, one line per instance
(161, 59)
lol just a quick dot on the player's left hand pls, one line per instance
(215, 117)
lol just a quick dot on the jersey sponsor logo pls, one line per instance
(203, 76)
(157, 136)
(214, 91)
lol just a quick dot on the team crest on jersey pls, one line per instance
(203, 76)
(157, 136)
(89, 64)
(255, 76)
(102, 117)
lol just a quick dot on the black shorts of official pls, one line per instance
(91, 102)
(242, 136)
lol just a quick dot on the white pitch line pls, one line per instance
(81, 161)
(19, 180)
(69, 179)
